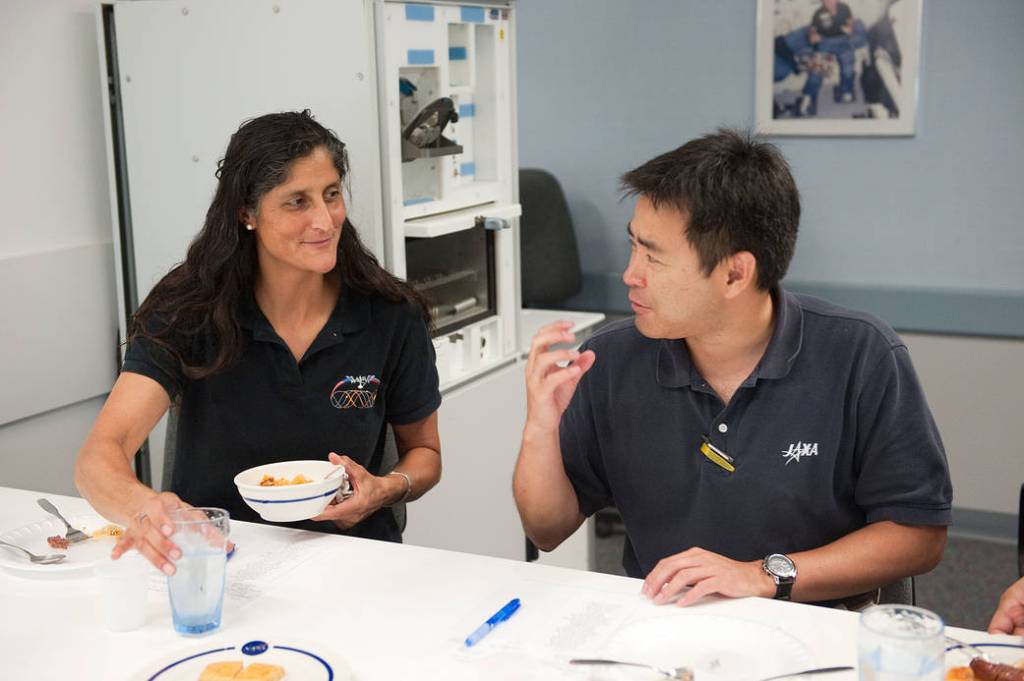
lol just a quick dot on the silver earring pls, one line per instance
(250, 227)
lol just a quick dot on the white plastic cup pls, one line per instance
(196, 588)
(122, 584)
(900, 643)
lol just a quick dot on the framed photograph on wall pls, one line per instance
(837, 67)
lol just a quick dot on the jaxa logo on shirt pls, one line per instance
(359, 392)
(799, 450)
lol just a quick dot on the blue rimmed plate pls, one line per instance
(1009, 653)
(299, 660)
(81, 557)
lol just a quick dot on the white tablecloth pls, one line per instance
(391, 611)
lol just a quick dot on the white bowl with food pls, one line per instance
(288, 491)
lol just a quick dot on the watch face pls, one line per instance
(780, 565)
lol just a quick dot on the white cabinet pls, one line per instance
(472, 508)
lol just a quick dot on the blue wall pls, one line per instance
(926, 230)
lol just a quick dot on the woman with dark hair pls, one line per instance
(279, 338)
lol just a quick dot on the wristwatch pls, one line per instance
(780, 568)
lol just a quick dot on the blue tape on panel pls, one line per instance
(413, 202)
(467, 168)
(467, 110)
(472, 14)
(419, 12)
(456, 53)
(421, 57)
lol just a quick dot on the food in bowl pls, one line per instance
(271, 481)
(292, 502)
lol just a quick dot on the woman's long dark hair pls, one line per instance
(204, 293)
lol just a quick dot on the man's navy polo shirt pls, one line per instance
(371, 364)
(830, 432)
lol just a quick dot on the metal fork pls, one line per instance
(73, 535)
(43, 560)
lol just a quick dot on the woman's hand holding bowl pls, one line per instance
(369, 493)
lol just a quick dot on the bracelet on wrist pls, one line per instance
(408, 486)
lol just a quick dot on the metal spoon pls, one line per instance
(42, 560)
(334, 471)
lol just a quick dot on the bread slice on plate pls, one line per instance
(261, 672)
(221, 671)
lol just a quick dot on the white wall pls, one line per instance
(973, 389)
(57, 350)
(605, 85)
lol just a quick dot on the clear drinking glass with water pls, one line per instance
(197, 586)
(900, 643)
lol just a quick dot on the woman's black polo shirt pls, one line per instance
(829, 433)
(372, 363)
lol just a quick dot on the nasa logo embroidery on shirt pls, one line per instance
(799, 450)
(359, 392)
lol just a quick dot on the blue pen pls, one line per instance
(496, 619)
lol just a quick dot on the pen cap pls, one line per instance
(505, 612)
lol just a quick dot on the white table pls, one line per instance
(392, 611)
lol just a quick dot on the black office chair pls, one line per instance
(903, 591)
(1020, 534)
(170, 447)
(550, 260)
(387, 465)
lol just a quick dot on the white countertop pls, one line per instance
(391, 611)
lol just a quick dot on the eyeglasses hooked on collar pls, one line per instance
(717, 456)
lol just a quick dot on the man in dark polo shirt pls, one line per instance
(756, 442)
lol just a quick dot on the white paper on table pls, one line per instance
(551, 627)
(258, 563)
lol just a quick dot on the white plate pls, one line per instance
(716, 648)
(81, 556)
(301, 661)
(1010, 653)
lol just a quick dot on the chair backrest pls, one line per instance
(170, 447)
(901, 591)
(1020, 534)
(387, 464)
(550, 261)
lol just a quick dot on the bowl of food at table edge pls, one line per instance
(287, 491)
